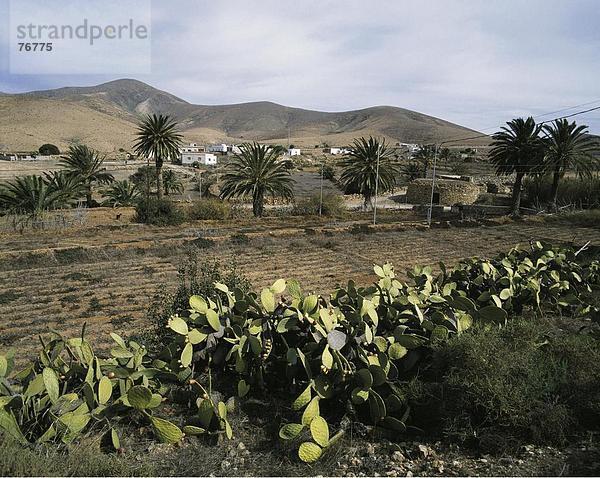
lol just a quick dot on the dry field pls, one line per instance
(107, 272)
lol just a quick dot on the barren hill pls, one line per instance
(104, 117)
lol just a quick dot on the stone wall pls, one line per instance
(450, 192)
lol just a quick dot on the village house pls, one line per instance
(200, 158)
(216, 148)
(333, 151)
(293, 152)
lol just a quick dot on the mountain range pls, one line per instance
(105, 117)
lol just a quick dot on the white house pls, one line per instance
(189, 158)
(217, 148)
(294, 152)
(333, 151)
(191, 148)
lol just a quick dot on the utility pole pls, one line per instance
(376, 185)
(433, 183)
(321, 197)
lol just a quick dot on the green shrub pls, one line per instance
(504, 387)
(578, 192)
(158, 212)
(329, 172)
(333, 205)
(492, 188)
(214, 209)
(194, 277)
(48, 149)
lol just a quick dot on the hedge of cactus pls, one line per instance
(343, 354)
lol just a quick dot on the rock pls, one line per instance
(409, 473)
(398, 457)
(370, 449)
(425, 450)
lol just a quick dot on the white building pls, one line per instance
(217, 148)
(333, 151)
(191, 148)
(189, 158)
(410, 147)
(294, 152)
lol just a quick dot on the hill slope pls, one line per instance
(104, 116)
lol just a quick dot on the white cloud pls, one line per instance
(471, 62)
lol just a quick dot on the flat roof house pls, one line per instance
(191, 148)
(217, 148)
(189, 158)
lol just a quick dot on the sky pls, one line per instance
(475, 63)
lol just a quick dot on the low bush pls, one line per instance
(499, 388)
(214, 209)
(332, 205)
(577, 192)
(195, 276)
(158, 212)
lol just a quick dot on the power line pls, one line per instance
(566, 109)
(543, 122)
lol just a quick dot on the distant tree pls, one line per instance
(517, 149)
(445, 154)
(48, 149)
(359, 169)
(86, 164)
(257, 171)
(121, 193)
(329, 172)
(143, 175)
(68, 187)
(425, 156)
(171, 183)
(412, 171)
(29, 195)
(568, 146)
(158, 140)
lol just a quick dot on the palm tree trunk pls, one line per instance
(554, 191)
(88, 195)
(159, 182)
(258, 203)
(516, 195)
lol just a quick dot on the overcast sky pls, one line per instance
(476, 63)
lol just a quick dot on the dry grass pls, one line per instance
(106, 275)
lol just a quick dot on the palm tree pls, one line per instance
(158, 139)
(359, 168)
(567, 146)
(171, 183)
(517, 149)
(411, 171)
(121, 193)
(257, 171)
(29, 195)
(425, 156)
(68, 187)
(86, 164)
